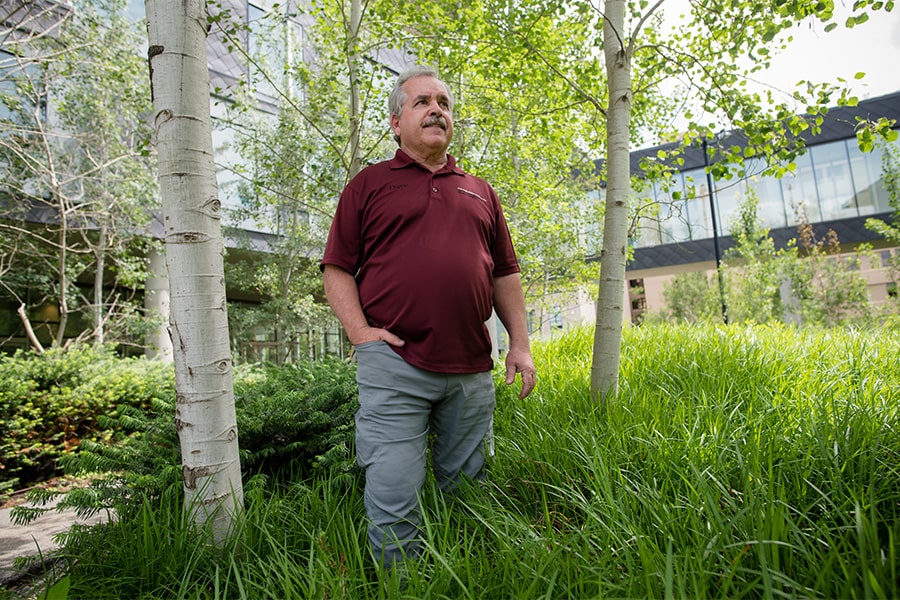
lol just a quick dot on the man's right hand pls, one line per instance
(343, 296)
(367, 334)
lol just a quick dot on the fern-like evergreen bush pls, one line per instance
(52, 403)
(292, 420)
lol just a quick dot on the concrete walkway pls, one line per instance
(33, 540)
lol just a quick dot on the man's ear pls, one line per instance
(395, 124)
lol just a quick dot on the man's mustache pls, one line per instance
(439, 121)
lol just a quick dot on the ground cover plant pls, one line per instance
(738, 461)
(293, 419)
(51, 403)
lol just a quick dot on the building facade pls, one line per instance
(835, 186)
(686, 223)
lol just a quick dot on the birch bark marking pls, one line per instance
(353, 64)
(198, 322)
(608, 333)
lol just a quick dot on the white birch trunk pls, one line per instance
(156, 303)
(608, 332)
(205, 414)
(353, 59)
(100, 254)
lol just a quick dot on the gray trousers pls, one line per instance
(399, 405)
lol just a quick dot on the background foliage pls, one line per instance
(77, 187)
(811, 280)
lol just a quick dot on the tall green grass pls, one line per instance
(736, 462)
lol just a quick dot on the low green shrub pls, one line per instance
(53, 402)
(292, 419)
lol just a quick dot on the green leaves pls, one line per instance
(869, 132)
(75, 142)
(853, 21)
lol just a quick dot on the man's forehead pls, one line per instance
(426, 86)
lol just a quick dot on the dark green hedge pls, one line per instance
(50, 404)
(292, 418)
(84, 411)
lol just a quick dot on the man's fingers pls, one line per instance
(529, 380)
(392, 339)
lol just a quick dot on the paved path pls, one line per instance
(33, 539)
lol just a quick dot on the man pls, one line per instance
(418, 254)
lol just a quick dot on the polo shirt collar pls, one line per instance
(402, 159)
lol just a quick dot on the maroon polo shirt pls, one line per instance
(425, 249)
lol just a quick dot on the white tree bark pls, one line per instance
(205, 414)
(156, 303)
(608, 332)
(353, 60)
(100, 254)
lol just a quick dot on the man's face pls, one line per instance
(425, 124)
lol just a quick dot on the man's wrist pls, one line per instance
(523, 346)
(357, 335)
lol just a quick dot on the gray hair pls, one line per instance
(398, 96)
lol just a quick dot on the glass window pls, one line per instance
(729, 195)
(591, 228)
(228, 166)
(275, 43)
(673, 217)
(264, 50)
(7, 86)
(868, 178)
(866, 170)
(833, 181)
(771, 208)
(799, 190)
(696, 193)
(556, 318)
(646, 232)
(21, 89)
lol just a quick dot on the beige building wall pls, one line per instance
(644, 293)
(654, 281)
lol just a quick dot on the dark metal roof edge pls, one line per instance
(840, 123)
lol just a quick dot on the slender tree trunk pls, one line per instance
(100, 255)
(608, 333)
(156, 302)
(205, 414)
(62, 276)
(29, 331)
(353, 59)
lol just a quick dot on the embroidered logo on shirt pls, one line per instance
(471, 193)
